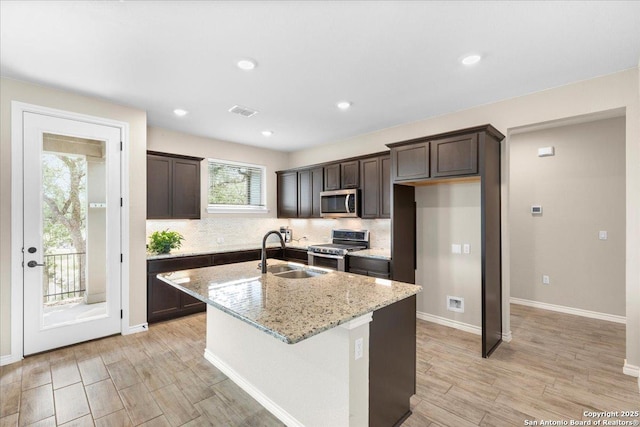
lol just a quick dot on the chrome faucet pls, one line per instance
(263, 258)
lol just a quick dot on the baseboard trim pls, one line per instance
(477, 330)
(245, 385)
(507, 337)
(631, 370)
(570, 310)
(143, 327)
(9, 359)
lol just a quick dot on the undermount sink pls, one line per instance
(302, 273)
(280, 268)
(294, 271)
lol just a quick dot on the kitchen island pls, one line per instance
(328, 349)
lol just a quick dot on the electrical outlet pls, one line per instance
(602, 235)
(456, 249)
(545, 279)
(359, 348)
(466, 248)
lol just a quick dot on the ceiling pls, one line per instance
(396, 61)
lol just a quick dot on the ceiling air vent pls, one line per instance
(243, 111)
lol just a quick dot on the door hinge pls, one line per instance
(121, 202)
(120, 145)
(121, 258)
(121, 314)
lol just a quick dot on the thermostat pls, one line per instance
(536, 210)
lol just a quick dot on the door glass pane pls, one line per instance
(74, 229)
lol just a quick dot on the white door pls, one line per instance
(71, 231)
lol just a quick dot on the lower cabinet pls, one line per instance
(373, 267)
(166, 302)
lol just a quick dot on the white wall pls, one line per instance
(449, 214)
(13, 90)
(614, 91)
(582, 191)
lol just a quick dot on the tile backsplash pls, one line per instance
(212, 233)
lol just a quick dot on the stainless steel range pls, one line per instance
(332, 255)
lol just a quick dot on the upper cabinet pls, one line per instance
(410, 162)
(287, 194)
(375, 185)
(310, 184)
(453, 156)
(173, 186)
(299, 189)
(350, 174)
(432, 158)
(338, 176)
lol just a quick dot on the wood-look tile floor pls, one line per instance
(556, 367)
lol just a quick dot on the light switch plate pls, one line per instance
(546, 151)
(602, 235)
(456, 249)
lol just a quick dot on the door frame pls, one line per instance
(17, 216)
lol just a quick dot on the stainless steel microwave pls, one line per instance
(340, 204)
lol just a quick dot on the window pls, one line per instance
(236, 187)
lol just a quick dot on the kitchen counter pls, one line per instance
(290, 310)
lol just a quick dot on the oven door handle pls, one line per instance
(346, 204)
(325, 255)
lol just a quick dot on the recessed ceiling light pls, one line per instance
(267, 133)
(246, 64)
(471, 59)
(180, 112)
(344, 105)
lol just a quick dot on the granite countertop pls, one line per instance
(291, 310)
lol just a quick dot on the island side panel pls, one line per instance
(315, 382)
(392, 363)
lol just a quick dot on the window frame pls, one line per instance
(213, 208)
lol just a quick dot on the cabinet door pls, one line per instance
(305, 195)
(454, 156)
(186, 189)
(370, 180)
(288, 195)
(159, 187)
(350, 174)
(410, 162)
(317, 185)
(332, 177)
(189, 304)
(163, 300)
(385, 187)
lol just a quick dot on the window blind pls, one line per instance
(235, 184)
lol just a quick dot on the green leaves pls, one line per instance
(161, 242)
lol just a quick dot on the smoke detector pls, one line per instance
(243, 111)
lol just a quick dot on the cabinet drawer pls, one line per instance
(370, 265)
(181, 263)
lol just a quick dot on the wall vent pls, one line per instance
(243, 111)
(455, 304)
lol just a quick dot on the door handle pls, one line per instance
(346, 203)
(34, 264)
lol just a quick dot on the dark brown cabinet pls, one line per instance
(343, 175)
(454, 156)
(167, 302)
(310, 184)
(369, 267)
(163, 300)
(472, 152)
(173, 186)
(287, 194)
(332, 177)
(375, 182)
(350, 174)
(410, 162)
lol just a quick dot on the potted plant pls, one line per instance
(161, 242)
